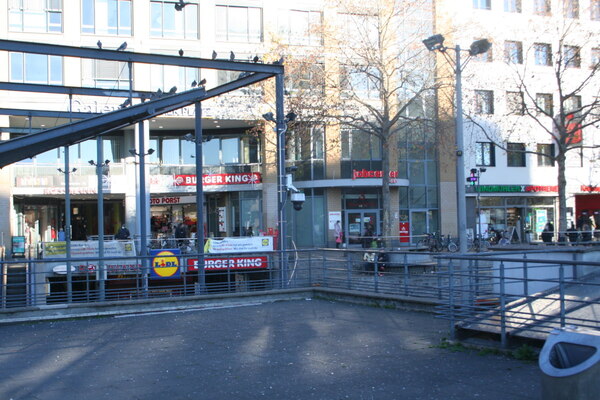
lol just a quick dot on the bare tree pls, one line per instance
(382, 76)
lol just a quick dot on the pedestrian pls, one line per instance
(548, 233)
(572, 233)
(338, 234)
(123, 233)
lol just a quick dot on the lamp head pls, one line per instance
(150, 151)
(291, 116)
(132, 152)
(482, 169)
(269, 117)
(435, 42)
(91, 162)
(479, 47)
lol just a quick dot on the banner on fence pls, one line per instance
(239, 245)
(231, 263)
(89, 249)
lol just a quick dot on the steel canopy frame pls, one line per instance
(27, 146)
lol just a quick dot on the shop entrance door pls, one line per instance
(360, 226)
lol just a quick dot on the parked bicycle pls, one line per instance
(436, 243)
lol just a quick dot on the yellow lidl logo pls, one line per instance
(165, 264)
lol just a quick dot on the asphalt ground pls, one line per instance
(301, 349)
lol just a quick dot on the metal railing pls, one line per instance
(526, 293)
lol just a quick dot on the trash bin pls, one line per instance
(570, 363)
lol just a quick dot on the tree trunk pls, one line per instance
(562, 197)
(385, 192)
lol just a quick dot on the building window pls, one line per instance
(595, 57)
(513, 52)
(573, 104)
(482, 4)
(542, 7)
(543, 54)
(545, 103)
(545, 155)
(359, 145)
(484, 102)
(167, 22)
(362, 82)
(105, 74)
(300, 27)
(305, 149)
(595, 10)
(239, 24)
(36, 68)
(572, 56)
(106, 17)
(515, 154)
(515, 104)
(571, 8)
(513, 6)
(306, 78)
(485, 154)
(164, 77)
(35, 16)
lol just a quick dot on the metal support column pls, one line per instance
(142, 203)
(199, 198)
(281, 187)
(99, 172)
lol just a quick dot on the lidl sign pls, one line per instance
(165, 264)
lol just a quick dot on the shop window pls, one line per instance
(106, 17)
(230, 151)
(239, 24)
(545, 103)
(485, 154)
(543, 54)
(542, 7)
(305, 150)
(35, 16)
(300, 27)
(515, 154)
(513, 6)
(166, 22)
(515, 103)
(513, 52)
(482, 4)
(36, 68)
(484, 101)
(545, 155)
(572, 56)
(571, 8)
(105, 74)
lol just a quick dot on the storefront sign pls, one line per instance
(372, 174)
(18, 246)
(219, 179)
(590, 189)
(89, 249)
(515, 189)
(165, 263)
(166, 200)
(239, 245)
(233, 263)
(404, 232)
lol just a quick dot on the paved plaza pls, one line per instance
(301, 349)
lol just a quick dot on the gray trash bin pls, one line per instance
(570, 363)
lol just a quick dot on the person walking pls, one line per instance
(548, 233)
(339, 235)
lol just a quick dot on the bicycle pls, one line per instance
(431, 242)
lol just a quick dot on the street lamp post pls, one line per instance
(476, 173)
(436, 43)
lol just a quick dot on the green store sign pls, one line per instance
(514, 189)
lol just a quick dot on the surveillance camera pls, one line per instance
(298, 200)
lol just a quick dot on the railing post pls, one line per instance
(324, 266)
(406, 282)
(310, 269)
(451, 299)
(502, 307)
(349, 272)
(525, 277)
(376, 273)
(439, 278)
(561, 288)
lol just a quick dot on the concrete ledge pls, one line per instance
(115, 308)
